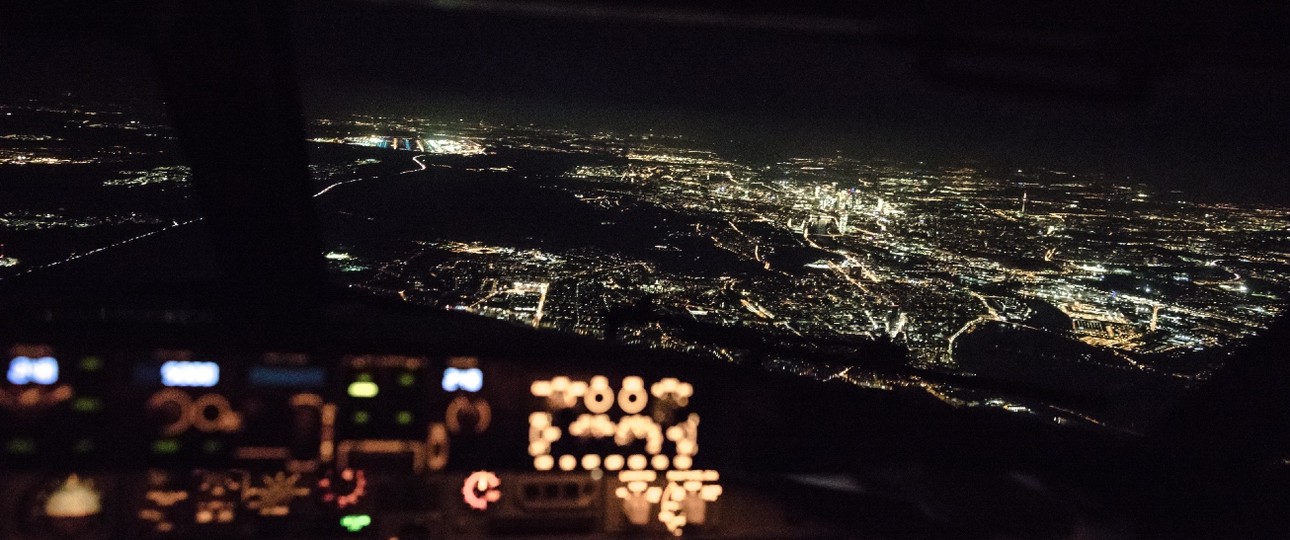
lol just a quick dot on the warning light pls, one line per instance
(355, 522)
(479, 489)
(23, 370)
(363, 389)
(469, 380)
(181, 373)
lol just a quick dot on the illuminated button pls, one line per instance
(590, 461)
(183, 373)
(343, 488)
(363, 389)
(165, 446)
(464, 412)
(632, 397)
(682, 462)
(543, 462)
(73, 498)
(599, 397)
(469, 380)
(568, 462)
(480, 489)
(170, 408)
(672, 389)
(213, 412)
(613, 462)
(636, 462)
(437, 447)
(663, 387)
(632, 477)
(355, 522)
(659, 462)
(44, 371)
(24, 370)
(539, 420)
(407, 380)
(218, 496)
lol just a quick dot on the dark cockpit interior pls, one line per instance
(489, 268)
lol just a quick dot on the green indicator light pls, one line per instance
(212, 446)
(362, 417)
(20, 446)
(165, 446)
(363, 389)
(403, 418)
(355, 522)
(83, 446)
(87, 404)
(91, 363)
(363, 377)
(407, 379)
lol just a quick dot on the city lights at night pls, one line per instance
(951, 262)
(800, 264)
(718, 270)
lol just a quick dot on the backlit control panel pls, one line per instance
(190, 443)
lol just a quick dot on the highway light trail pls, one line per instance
(76, 256)
(338, 184)
(417, 160)
(174, 225)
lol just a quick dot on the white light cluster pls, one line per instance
(184, 373)
(24, 370)
(469, 379)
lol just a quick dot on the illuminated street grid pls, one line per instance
(819, 252)
(920, 253)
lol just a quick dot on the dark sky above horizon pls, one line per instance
(1215, 128)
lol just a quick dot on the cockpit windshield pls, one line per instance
(756, 190)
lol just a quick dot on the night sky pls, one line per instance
(1218, 127)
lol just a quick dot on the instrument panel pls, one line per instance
(192, 443)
